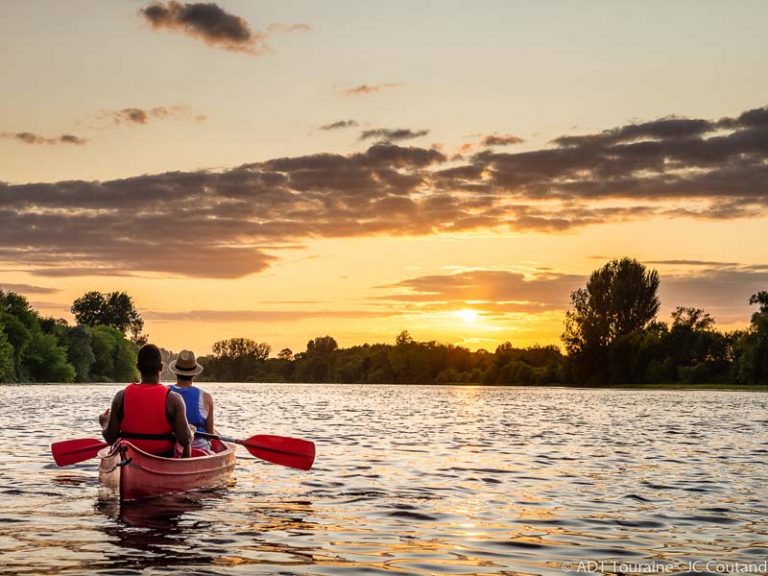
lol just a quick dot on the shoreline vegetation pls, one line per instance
(672, 386)
(611, 334)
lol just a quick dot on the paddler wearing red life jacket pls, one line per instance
(148, 413)
(198, 402)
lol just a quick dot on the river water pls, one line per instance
(410, 480)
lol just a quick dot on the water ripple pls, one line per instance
(409, 480)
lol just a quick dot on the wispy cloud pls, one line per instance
(228, 316)
(30, 138)
(723, 291)
(340, 124)
(142, 116)
(499, 290)
(501, 140)
(288, 28)
(364, 89)
(710, 263)
(235, 222)
(27, 288)
(392, 135)
(207, 22)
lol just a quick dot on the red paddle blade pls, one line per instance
(68, 452)
(292, 452)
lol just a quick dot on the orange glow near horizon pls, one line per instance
(326, 181)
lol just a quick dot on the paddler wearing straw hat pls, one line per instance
(198, 402)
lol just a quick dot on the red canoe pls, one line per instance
(129, 473)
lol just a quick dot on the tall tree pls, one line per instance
(620, 298)
(751, 365)
(114, 309)
(46, 360)
(692, 318)
(77, 341)
(114, 356)
(7, 368)
(321, 346)
(238, 360)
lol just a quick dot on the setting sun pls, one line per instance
(468, 316)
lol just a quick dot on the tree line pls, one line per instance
(404, 362)
(34, 348)
(612, 335)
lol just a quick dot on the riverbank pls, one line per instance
(670, 386)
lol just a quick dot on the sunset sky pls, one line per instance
(281, 170)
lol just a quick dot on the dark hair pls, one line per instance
(149, 360)
(184, 378)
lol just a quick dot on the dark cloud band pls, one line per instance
(232, 223)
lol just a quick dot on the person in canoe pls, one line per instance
(149, 414)
(198, 402)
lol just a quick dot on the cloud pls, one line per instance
(713, 263)
(235, 222)
(207, 22)
(392, 135)
(288, 28)
(501, 140)
(27, 288)
(229, 316)
(338, 125)
(364, 89)
(71, 139)
(142, 116)
(721, 289)
(497, 290)
(30, 138)
(226, 224)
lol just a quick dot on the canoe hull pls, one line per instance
(127, 473)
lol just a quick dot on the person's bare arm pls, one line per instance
(208, 400)
(111, 424)
(178, 413)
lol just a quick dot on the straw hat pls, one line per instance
(185, 364)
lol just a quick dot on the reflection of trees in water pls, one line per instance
(162, 532)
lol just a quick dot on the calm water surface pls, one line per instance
(410, 480)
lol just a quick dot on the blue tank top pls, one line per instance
(193, 400)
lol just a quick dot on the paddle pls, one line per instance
(291, 452)
(66, 452)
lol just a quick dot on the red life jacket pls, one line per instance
(145, 422)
